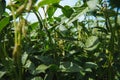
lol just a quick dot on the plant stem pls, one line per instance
(17, 47)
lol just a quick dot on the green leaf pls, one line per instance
(79, 12)
(4, 22)
(45, 59)
(30, 66)
(8, 63)
(90, 65)
(92, 4)
(92, 43)
(34, 25)
(51, 10)
(50, 76)
(37, 78)
(47, 2)
(2, 73)
(68, 38)
(24, 58)
(118, 20)
(67, 11)
(101, 29)
(88, 70)
(41, 68)
(70, 67)
(53, 67)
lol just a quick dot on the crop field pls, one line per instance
(82, 43)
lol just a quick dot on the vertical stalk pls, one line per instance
(14, 22)
(39, 19)
(112, 41)
(15, 35)
(46, 27)
(79, 31)
(117, 28)
(17, 47)
(111, 44)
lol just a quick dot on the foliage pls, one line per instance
(63, 47)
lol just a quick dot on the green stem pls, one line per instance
(15, 34)
(14, 22)
(111, 44)
(17, 48)
(46, 27)
(39, 19)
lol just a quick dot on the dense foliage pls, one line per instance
(63, 47)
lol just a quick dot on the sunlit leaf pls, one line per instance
(92, 4)
(101, 29)
(118, 21)
(29, 65)
(90, 65)
(24, 58)
(92, 43)
(2, 73)
(88, 70)
(47, 2)
(79, 12)
(37, 78)
(41, 68)
(34, 25)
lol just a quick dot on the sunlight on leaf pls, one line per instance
(118, 21)
(2, 74)
(91, 65)
(81, 11)
(41, 68)
(92, 43)
(24, 58)
(47, 2)
(92, 4)
(37, 78)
